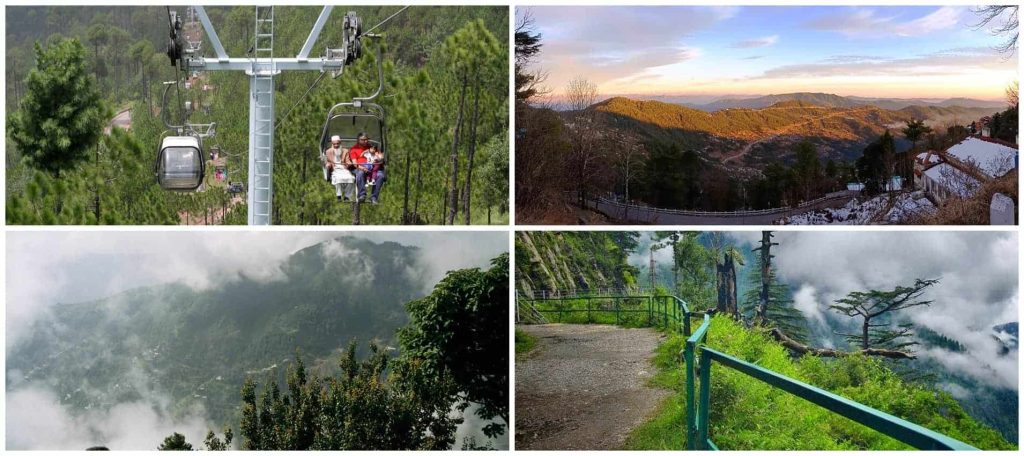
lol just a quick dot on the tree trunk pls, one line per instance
(832, 353)
(472, 148)
(865, 342)
(453, 203)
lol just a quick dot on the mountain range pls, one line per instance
(197, 346)
(822, 99)
(839, 127)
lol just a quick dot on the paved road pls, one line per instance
(641, 214)
(584, 387)
(122, 120)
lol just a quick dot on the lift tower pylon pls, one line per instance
(261, 66)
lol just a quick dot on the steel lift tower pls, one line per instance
(261, 66)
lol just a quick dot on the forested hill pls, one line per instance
(551, 260)
(796, 117)
(198, 345)
(445, 93)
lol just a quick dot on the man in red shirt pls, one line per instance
(362, 171)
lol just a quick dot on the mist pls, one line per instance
(47, 268)
(977, 287)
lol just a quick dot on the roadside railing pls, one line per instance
(697, 422)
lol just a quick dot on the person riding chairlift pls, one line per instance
(364, 167)
(341, 166)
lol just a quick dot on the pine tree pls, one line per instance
(875, 310)
(62, 114)
(175, 442)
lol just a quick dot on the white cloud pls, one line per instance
(870, 23)
(36, 420)
(757, 42)
(977, 290)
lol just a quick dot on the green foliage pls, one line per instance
(175, 442)
(456, 332)
(366, 407)
(875, 309)
(780, 312)
(62, 115)
(574, 260)
(747, 414)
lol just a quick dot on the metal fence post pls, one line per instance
(691, 421)
(705, 400)
(617, 305)
(588, 310)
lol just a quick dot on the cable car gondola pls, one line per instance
(180, 165)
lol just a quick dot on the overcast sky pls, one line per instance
(44, 268)
(872, 51)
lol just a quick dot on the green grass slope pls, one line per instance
(746, 414)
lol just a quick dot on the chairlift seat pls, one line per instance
(347, 120)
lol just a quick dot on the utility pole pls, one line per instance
(261, 66)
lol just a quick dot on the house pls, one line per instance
(944, 181)
(960, 170)
(993, 158)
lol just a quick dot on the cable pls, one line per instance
(388, 19)
(303, 97)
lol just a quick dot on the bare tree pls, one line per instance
(1012, 91)
(580, 94)
(990, 15)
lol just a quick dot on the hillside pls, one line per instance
(551, 260)
(756, 136)
(197, 346)
(750, 415)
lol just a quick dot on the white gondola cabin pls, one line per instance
(180, 164)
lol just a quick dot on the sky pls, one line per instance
(710, 52)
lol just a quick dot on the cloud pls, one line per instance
(977, 290)
(869, 23)
(947, 62)
(757, 42)
(606, 44)
(52, 267)
(36, 420)
(753, 57)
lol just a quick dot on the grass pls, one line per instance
(524, 343)
(746, 414)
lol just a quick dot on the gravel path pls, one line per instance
(584, 387)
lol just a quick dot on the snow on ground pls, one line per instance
(862, 212)
(993, 159)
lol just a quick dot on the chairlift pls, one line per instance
(361, 115)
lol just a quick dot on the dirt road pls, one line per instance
(122, 120)
(584, 387)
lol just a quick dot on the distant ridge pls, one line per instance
(821, 99)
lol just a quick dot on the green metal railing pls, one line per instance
(697, 424)
(652, 310)
(673, 313)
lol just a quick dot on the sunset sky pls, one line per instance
(878, 51)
